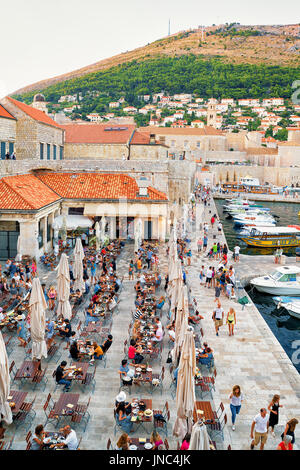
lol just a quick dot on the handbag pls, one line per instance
(159, 417)
(169, 358)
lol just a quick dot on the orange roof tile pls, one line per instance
(25, 192)
(35, 114)
(5, 114)
(140, 138)
(97, 186)
(98, 133)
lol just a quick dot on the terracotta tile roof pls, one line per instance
(206, 130)
(143, 138)
(35, 114)
(25, 192)
(5, 114)
(140, 138)
(98, 133)
(97, 186)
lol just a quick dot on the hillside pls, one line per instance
(277, 45)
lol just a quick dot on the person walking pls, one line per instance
(217, 317)
(289, 429)
(130, 270)
(208, 277)
(273, 408)
(236, 398)
(205, 241)
(236, 253)
(199, 245)
(259, 429)
(231, 321)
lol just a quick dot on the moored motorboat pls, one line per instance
(285, 280)
(273, 237)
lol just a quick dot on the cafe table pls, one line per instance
(18, 397)
(140, 443)
(65, 406)
(27, 371)
(51, 439)
(137, 415)
(205, 406)
(78, 378)
(143, 376)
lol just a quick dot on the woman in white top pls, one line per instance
(236, 398)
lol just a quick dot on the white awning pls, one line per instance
(73, 222)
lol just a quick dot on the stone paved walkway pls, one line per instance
(101, 424)
(252, 358)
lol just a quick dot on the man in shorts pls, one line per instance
(218, 317)
(260, 427)
(236, 253)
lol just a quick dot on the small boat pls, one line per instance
(293, 308)
(261, 220)
(285, 280)
(279, 301)
(273, 237)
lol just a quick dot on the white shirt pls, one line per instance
(159, 334)
(237, 401)
(71, 440)
(219, 313)
(172, 334)
(236, 249)
(261, 423)
(209, 273)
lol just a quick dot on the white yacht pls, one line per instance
(285, 280)
(244, 219)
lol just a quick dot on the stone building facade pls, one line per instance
(188, 139)
(37, 135)
(7, 132)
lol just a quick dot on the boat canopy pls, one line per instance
(276, 230)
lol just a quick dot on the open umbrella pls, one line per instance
(78, 266)
(185, 395)
(63, 288)
(5, 409)
(199, 437)
(37, 305)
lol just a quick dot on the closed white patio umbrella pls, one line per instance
(37, 306)
(63, 288)
(5, 409)
(78, 266)
(97, 232)
(181, 323)
(185, 395)
(199, 438)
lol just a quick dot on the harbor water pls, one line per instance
(286, 214)
(284, 327)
